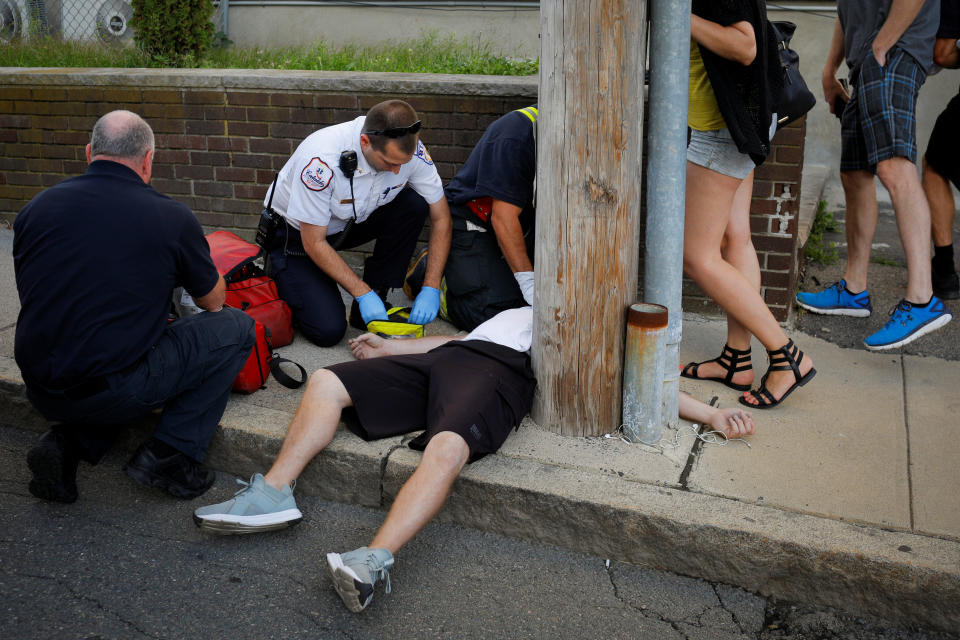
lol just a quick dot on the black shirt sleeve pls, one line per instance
(195, 269)
(507, 170)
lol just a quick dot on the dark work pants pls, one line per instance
(315, 297)
(480, 283)
(188, 372)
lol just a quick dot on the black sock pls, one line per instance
(922, 306)
(943, 258)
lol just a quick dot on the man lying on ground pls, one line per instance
(469, 393)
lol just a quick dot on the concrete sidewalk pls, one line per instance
(847, 495)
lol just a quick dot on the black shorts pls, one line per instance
(477, 389)
(944, 141)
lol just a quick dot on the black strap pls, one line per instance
(273, 190)
(281, 376)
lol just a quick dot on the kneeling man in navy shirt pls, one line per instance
(96, 259)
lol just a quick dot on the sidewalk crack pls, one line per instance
(694, 454)
(906, 428)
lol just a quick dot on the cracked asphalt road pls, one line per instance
(127, 562)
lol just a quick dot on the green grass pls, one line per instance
(426, 54)
(816, 249)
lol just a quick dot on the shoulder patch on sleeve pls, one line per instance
(422, 154)
(317, 175)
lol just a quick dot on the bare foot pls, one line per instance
(733, 422)
(370, 345)
(778, 382)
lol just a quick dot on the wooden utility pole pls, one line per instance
(589, 145)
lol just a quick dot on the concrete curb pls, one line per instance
(901, 577)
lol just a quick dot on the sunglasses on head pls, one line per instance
(396, 132)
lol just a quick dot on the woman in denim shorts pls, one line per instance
(734, 75)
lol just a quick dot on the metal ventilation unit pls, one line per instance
(23, 18)
(104, 20)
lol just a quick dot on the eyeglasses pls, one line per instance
(396, 132)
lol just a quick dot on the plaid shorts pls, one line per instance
(880, 120)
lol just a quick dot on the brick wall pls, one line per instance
(222, 135)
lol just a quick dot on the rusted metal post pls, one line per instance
(643, 364)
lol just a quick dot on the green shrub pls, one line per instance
(816, 250)
(173, 32)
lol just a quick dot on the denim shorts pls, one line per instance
(716, 150)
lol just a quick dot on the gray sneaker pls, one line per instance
(356, 572)
(256, 507)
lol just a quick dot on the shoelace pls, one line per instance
(246, 485)
(379, 572)
(904, 306)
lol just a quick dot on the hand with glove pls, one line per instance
(371, 307)
(525, 280)
(426, 305)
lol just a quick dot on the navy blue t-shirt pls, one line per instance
(949, 19)
(503, 165)
(96, 259)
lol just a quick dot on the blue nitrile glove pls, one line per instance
(426, 305)
(371, 307)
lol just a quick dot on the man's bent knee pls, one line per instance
(897, 173)
(447, 451)
(323, 334)
(324, 385)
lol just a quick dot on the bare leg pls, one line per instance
(710, 197)
(861, 198)
(738, 250)
(942, 207)
(312, 427)
(899, 176)
(423, 495)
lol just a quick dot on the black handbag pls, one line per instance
(795, 98)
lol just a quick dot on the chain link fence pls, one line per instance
(106, 21)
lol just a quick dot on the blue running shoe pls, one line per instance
(907, 323)
(835, 300)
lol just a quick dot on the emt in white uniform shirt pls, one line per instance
(324, 212)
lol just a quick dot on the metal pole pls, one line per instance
(643, 372)
(666, 179)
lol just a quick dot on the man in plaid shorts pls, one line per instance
(888, 46)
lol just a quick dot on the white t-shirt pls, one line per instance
(511, 328)
(312, 189)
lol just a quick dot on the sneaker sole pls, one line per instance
(836, 311)
(228, 524)
(933, 325)
(345, 583)
(149, 479)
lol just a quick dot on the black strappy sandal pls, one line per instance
(730, 360)
(786, 358)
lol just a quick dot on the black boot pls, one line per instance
(356, 319)
(53, 462)
(156, 464)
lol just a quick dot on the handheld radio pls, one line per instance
(348, 166)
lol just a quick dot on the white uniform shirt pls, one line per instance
(312, 189)
(511, 328)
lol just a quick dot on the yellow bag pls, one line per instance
(396, 325)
